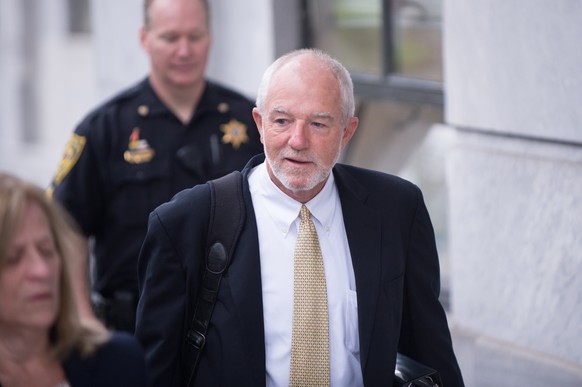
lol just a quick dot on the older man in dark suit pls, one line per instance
(373, 272)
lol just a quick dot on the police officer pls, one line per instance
(171, 131)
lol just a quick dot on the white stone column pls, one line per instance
(514, 87)
(11, 70)
(120, 61)
(243, 43)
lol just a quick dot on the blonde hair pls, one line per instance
(68, 330)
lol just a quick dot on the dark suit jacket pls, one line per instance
(397, 281)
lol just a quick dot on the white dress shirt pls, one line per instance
(278, 221)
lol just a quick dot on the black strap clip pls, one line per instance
(196, 339)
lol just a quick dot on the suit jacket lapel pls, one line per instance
(363, 229)
(245, 284)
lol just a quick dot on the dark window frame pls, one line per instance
(391, 85)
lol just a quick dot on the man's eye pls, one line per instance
(169, 38)
(280, 121)
(196, 37)
(320, 127)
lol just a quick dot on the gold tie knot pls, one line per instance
(304, 213)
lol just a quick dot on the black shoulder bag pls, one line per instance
(409, 373)
(227, 217)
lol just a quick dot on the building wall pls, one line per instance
(11, 69)
(119, 59)
(48, 83)
(514, 86)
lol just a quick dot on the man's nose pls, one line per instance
(184, 47)
(299, 138)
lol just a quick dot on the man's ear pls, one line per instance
(142, 38)
(259, 122)
(349, 131)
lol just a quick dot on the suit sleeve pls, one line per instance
(425, 334)
(161, 307)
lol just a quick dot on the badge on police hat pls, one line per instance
(138, 151)
(73, 151)
(235, 133)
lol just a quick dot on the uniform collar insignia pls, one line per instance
(138, 150)
(143, 110)
(235, 133)
(223, 107)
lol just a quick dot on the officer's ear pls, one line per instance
(258, 122)
(143, 38)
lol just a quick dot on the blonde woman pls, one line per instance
(43, 340)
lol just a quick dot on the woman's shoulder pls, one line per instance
(118, 362)
(119, 346)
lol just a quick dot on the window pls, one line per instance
(392, 48)
(79, 16)
(417, 39)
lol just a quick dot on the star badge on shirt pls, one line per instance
(235, 133)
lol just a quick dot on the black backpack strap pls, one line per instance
(227, 217)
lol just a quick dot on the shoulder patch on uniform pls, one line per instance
(73, 151)
(50, 191)
(235, 133)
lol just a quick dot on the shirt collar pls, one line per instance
(209, 100)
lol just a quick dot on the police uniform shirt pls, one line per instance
(132, 154)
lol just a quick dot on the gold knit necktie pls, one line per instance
(310, 338)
